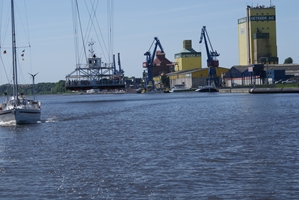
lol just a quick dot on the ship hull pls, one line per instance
(20, 116)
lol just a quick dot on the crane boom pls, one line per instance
(119, 65)
(212, 55)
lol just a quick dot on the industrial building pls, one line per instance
(258, 59)
(188, 58)
(259, 74)
(257, 36)
(188, 68)
(161, 64)
(194, 77)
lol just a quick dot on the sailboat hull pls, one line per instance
(20, 116)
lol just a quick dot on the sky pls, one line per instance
(48, 27)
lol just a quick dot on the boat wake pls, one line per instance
(13, 123)
(50, 120)
(7, 123)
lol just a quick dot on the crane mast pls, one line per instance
(212, 61)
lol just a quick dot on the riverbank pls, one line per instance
(259, 90)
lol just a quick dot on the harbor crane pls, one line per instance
(149, 63)
(120, 70)
(212, 55)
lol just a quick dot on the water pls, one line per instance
(155, 146)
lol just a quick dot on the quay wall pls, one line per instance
(259, 90)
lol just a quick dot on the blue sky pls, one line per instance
(136, 23)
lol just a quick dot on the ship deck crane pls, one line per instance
(150, 61)
(212, 55)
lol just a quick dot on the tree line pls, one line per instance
(39, 88)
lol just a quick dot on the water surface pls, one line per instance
(155, 146)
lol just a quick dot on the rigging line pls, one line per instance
(78, 40)
(20, 69)
(104, 43)
(6, 25)
(94, 18)
(21, 22)
(87, 31)
(82, 52)
(26, 17)
(84, 48)
(4, 69)
(28, 33)
(110, 27)
(94, 8)
(1, 15)
(112, 24)
(109, 30)
(75, 33)
(90, 22)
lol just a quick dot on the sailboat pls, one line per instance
(18, 109)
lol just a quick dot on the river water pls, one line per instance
(155, 146)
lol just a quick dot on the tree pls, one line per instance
(164, 80)
(59, 87)
(288, 60)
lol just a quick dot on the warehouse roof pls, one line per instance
(190, 71)
(186, 71)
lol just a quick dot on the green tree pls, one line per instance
(40, 88)
(164, 80)
(288, 60)
(59, 87)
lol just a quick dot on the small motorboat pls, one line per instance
(207, 89)
(180, 88)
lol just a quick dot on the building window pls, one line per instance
(242, 30)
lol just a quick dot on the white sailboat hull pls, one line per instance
(20, 116)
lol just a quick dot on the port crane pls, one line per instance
(149, 63)
(212, 55)
(120, 71)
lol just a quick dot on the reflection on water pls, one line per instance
(155, 146)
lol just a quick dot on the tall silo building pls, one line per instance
(257, 36)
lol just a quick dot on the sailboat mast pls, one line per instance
(14, 52)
